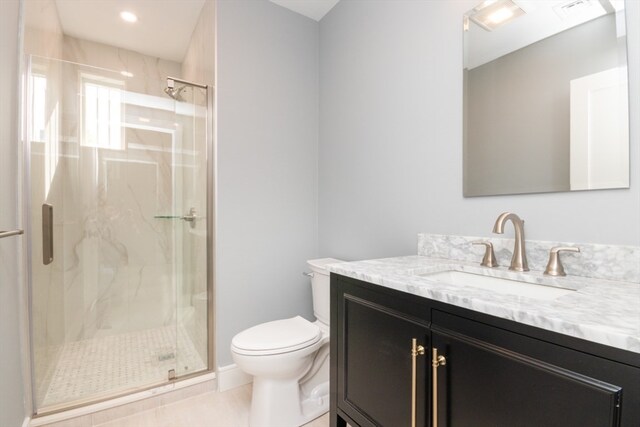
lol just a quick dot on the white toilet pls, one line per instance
(289, 361)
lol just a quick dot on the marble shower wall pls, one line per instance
(42, 29)
(200, 60)
(120, 258)
(149, 74)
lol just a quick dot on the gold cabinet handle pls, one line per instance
(435, 362)
(416, 350)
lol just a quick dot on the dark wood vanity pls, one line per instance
(466, 368)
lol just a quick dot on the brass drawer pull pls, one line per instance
(435, 362)
(416, 350)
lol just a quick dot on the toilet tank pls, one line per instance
(320, 287)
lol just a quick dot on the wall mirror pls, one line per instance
(545, 97)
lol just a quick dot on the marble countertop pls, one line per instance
(602, 311)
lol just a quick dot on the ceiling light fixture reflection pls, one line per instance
(126, 73)
(486, 3)
(500, 15)
(128, 16)
(492, 15)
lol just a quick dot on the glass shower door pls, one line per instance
(190, 234)
(113, 278)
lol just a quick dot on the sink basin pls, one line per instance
(497, 284)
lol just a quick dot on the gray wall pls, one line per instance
(391, 139)
(267, 165)
(12, 407)
(517, 138)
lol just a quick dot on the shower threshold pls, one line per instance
(129, 402)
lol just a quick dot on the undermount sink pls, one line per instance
(497, 284)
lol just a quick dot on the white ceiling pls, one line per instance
(314, 9)
(163, 29)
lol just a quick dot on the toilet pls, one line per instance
(289, 361)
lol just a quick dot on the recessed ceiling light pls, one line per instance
(126, 73)
(128, 16)
(144, 119)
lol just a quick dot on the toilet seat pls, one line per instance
(277, 337)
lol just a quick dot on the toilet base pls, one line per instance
(317, 404)
(279, 403)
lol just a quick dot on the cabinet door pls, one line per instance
(482, 384)
(376, 375)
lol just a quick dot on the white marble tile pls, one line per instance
(599, 310)
(149, 73)
(199, 61)
(43, 34)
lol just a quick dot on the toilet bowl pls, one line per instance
(289, 361)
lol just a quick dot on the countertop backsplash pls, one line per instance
(594, 260)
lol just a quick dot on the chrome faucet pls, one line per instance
(519, 259)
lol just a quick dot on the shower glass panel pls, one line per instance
(190, 175)
(118, 282)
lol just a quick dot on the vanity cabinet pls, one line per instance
(383, 350)
(492, 372)
(489, 381)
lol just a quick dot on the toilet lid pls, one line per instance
(279, 336)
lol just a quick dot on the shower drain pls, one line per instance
(166, 356)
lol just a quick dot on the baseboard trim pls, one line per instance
(231, 376)
(26, 422)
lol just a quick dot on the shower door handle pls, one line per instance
(47, 234)
(191, 217)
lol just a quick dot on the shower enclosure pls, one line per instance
(119, 218)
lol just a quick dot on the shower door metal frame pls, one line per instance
(211, 222)
(26, 70)
(26, 200)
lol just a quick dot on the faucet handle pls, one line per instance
(554, 266)
(489, 259)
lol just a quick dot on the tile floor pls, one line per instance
(213, 409)
(119, 362)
